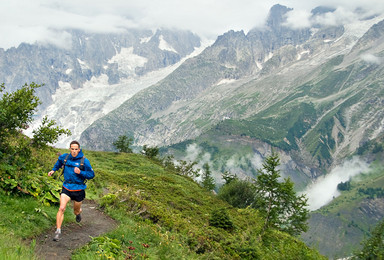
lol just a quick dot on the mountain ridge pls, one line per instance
(227, 72)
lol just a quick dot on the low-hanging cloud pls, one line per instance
(44, 20)
(370, 58)
(298, 19)
(243, 166)
(324, 190)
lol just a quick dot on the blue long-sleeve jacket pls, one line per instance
(72, 180)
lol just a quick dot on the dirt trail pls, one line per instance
(94, 223)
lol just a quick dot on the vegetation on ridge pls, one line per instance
(162, 213)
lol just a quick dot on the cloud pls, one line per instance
(302, 18)
(45, 20)
(298, 19)
(324, 190)
(370, 58)
(340, 16)
(192, 153)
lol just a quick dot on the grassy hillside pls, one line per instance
(162, 215)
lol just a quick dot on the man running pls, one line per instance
(75, 175)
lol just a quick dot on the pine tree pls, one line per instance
(277, 201)
(207, 182)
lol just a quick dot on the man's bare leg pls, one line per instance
(64, 199)
(77, 210)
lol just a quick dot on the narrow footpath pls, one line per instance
(94, 223)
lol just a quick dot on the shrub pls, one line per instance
(123, 143)
(220, 218)
(150, 152)
(238, 193)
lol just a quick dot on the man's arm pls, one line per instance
(57, 165)
(88, 172)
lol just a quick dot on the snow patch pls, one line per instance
(225, 81)
(300, 55)
(270, 55)
(83, 65)
(358, 28)
(145, 40)
(164, 45)
(68, 71)
(77, 108)
(128, 61)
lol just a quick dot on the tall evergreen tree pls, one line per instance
(207, 182)
(277, 201)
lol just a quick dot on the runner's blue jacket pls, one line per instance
(72, 180)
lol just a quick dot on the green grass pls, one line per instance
(171, 214)
(161, 215)
(22, 218)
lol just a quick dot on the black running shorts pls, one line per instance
(78, 196)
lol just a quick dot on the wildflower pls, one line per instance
(145, 245)
(131, 248)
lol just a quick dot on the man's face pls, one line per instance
(74, 149)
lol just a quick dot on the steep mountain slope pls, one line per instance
(303, 91)
(96, 73)
(233, 56)
(338, 228)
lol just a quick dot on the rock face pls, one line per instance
(92, 55)
(95, 74)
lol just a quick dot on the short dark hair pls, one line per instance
(74, 142)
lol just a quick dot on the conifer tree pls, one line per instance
(207, 182)
(277, 201)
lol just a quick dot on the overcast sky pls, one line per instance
(46, 20)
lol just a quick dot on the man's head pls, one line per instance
(74, 148)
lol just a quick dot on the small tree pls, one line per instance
(123, 143)
(16, 113)
(47, 133)
(278, 201)
(220, 218)
(150, 152)
(238, 193)
(17, 109)
(207, 182)
(228, 177)
(186, 168)
(20, 167)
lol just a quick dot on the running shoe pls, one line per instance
(78, 218)
(57, 236)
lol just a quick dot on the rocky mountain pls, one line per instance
(95, 73)
(312, 93)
